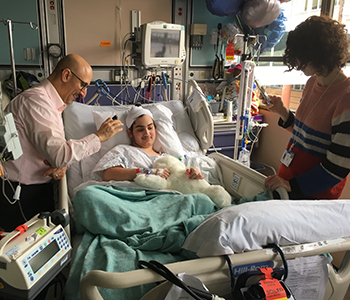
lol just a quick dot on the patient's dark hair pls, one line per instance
(320, 41)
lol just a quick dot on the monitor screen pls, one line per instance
(165, 43)
(162, 44)
(43, 256)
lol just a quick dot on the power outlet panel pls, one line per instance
(177, 85)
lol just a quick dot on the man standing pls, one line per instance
(47, 154)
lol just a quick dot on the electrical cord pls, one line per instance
(170, 276)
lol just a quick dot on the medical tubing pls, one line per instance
(4, 193)
(167, 274)
(21, 209)
(256, 139)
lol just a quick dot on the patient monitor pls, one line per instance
(162, 44)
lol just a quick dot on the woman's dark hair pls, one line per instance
(320, 41)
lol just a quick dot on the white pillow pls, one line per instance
(166, 141)
(250, 226)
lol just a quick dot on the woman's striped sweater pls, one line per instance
(321, 139)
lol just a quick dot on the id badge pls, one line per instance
(287, 157)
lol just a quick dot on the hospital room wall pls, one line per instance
(96, 32)
(272, 142)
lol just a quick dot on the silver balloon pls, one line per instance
(260, 13)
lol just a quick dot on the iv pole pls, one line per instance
(13, 66)
(245, 90)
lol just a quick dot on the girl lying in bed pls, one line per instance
(124, 162)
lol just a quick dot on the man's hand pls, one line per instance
(108, 129)
(55, 173)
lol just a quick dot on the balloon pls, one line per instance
(224, 7)
(259, 13)
(273, 31)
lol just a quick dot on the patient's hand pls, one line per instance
(164, 173)
(274, 181)
(193, 173)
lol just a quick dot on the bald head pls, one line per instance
(73, 62)
(70, 77)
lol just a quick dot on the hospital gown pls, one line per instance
(128, 156)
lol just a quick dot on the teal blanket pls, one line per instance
(122, 226)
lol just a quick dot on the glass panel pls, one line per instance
(272, 74)
(342, 12)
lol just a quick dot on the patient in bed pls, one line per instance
(124, 162)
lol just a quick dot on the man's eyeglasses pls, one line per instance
(83, 84)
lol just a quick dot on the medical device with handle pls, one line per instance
(10, 146)
(31, 256)
(270, 282)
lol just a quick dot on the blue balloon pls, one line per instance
(224, 7)
(273, 31)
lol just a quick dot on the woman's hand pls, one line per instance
(193, 173)
(274, 181)
(277, 107)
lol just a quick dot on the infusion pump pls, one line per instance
(31, 256)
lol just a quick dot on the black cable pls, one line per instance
(167, 274)
(285, 264)
(231, 271)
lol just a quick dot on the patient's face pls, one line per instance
(143, 132)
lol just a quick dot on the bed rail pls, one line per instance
(64, 200)
(241, 181)
(213, 272)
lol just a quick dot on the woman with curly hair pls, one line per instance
(316, 161)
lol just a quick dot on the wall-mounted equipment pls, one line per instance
(162, 44)
(197, 33)
(54, 50)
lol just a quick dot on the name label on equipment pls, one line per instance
(235, 181)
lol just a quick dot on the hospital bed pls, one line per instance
(194, 126)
